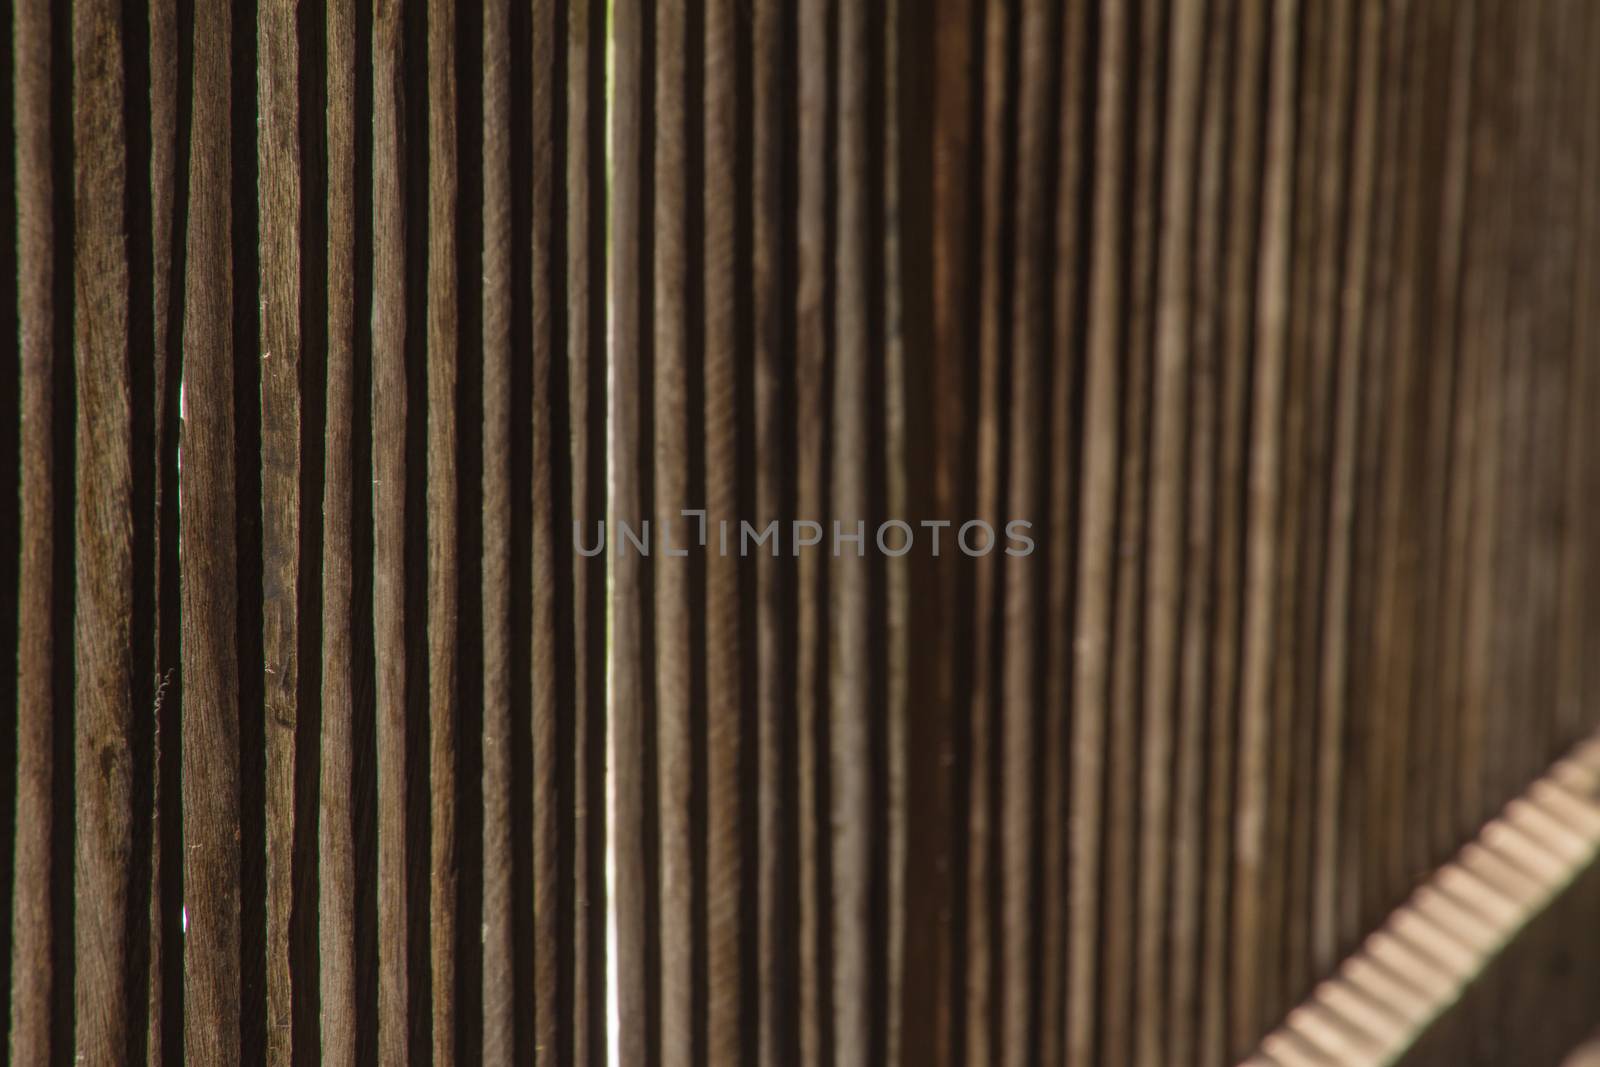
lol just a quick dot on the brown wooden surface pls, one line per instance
(336, 319)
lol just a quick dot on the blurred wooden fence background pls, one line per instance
(1278, 319)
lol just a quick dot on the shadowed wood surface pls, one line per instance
(519, 547)
(278, 227)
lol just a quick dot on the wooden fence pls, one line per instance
(343, 325)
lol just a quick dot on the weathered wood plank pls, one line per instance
(338, 940)
(680, 640)
(814, 357)
(1331, 819)
(1097, 536)
(1198, 730)
(588, 363)
(632, 497)
(549, 665)
(444, 563)
(855, 625)
(500, 655)
(994, 81)
(211, 709)
(44, 583)
(1024, 640)
(392, 420)
(1137, 228)
(282, 374)
(166, 296)
(724, 295)
(1245, 65)
(104, 686)
(1262, 496)
(1170, 461)
(772, 279)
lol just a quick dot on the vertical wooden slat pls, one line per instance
(1578, 577)
(1483, 334)
(855, 643)
(1245, 64)
(11, 416)
(1262, 502)
(1283, 943)
(1198, 722)
(104, 531)
(337, 909)
(1516, 360)
(166, 289)
(773, 298)
(500, 655)
(1136, 225)
(1023, 643)
(889, 732)
(168, 175)
(725, 300)
(814, 343)
(545, 665)
(338, 943)
(1395, 571)
(1335, 689)
(994, 84)
(43, 644)
(1097, 522)
(587, 372)
(632, 496)
(1517, 629)
(1362, 858)
(444, 630)
(1077, 130)
(391, 417)
(211, 708)
(1562, 223)
(682, 989)
(102, 827)
(1462, 582)
(1169, 461)
(1447, 466)
(278, 139)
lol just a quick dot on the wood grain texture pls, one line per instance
(1271, 319)
(1024, 640)
(995, 85)
(392, 422)
(44, 583)
(725, 348)
(772, 311)
(103, 604)
(445, 633)
(632, 497)
(1074, 244)
(678, 605)
(338, 941)
(855, 645)
(1262, 501)
(499, 647)
(1097, 526)
(282, 375)
(165, 290)
(1170, 459)
(587, 405)
(549, 682)
(1236, 271)
(212, 995)
(814, 339)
